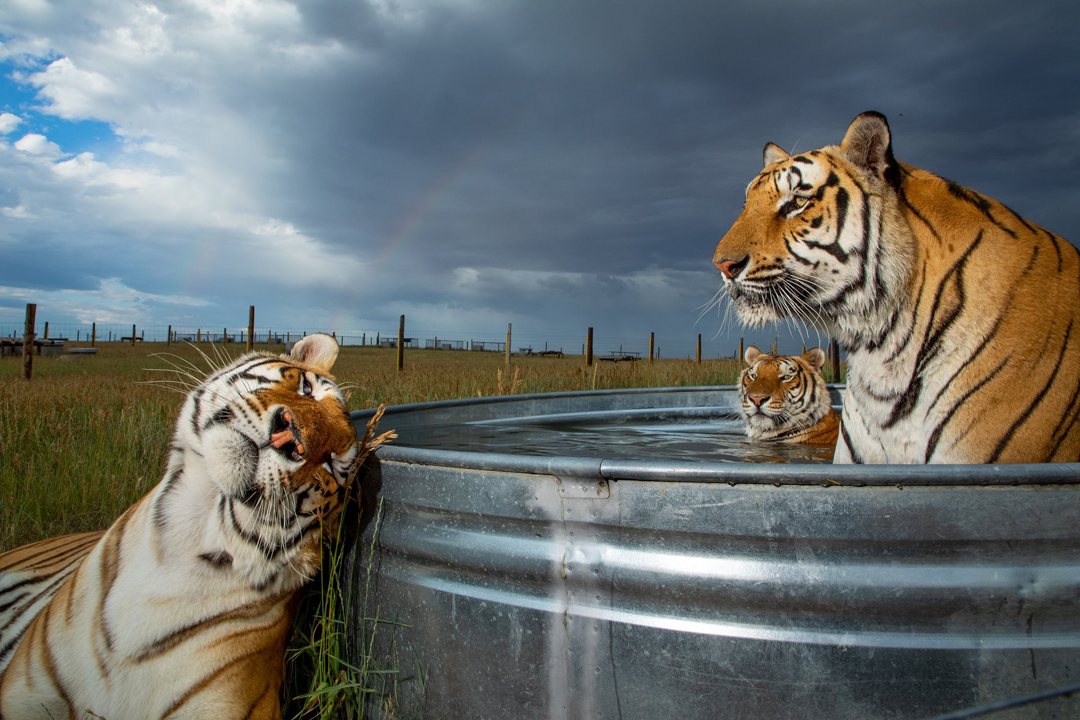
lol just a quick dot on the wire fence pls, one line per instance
(521, 343)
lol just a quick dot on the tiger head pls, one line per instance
(806, 245)
(268, 438)
(781, 393)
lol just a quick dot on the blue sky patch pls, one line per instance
(73, 137)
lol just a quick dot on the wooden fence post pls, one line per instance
(741, 353)
(509, 326)
(93, 334)
(401, 345)
(46, 335)
(699, 347)
(652, 339)
(168, 338)
(28, 341)
(588, 349)
(251, 328)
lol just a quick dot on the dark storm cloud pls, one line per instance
(614, 137)
(42, 262)
(576, 162)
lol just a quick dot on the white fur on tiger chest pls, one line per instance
(874, 387)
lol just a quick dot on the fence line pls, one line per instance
(644, 345)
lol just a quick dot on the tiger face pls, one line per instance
(803, 246)
(782, 394)
(273, 437)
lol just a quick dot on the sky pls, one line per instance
(554, 164)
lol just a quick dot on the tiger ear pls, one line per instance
(868, 144)
(773, 153)
(816, 358)
(751, 354)
(318, 351)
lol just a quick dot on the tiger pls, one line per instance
(784, 398)
(956, 314)
(183, 607)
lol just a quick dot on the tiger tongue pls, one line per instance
(281, 438)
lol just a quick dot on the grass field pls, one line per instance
(87, 436)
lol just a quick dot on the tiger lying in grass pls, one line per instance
(784, 398)
(182, 609)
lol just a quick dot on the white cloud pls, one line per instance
(111, 302)
(73, 94)
(36, 144)
(19, 212)
(275, 250)
(162, 149)
(20, 47)
(657, 284)
(8, 122)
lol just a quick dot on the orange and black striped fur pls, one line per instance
(784, 398)
(182, 609)
(959, 317)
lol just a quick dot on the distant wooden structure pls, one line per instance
(620, 356)
(42, 347)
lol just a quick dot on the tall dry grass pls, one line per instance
(87, 436)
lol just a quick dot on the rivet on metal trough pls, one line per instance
(583, 489)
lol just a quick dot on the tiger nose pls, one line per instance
(731, 268)
(758, 400)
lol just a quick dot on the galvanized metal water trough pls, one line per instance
(571, 587)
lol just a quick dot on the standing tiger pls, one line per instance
(784, 398)
(182, 609)
(956, 313)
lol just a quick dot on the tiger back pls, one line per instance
(183, 607)
(958, 316)
(784, 398)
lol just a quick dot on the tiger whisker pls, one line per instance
(178, 360)
(206, 358)
(171, 385)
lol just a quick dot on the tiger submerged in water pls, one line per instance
(784, 398)
(182, 609)
(956, 313)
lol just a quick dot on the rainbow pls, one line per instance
(408, 225)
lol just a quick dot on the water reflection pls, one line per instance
(664, 436)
